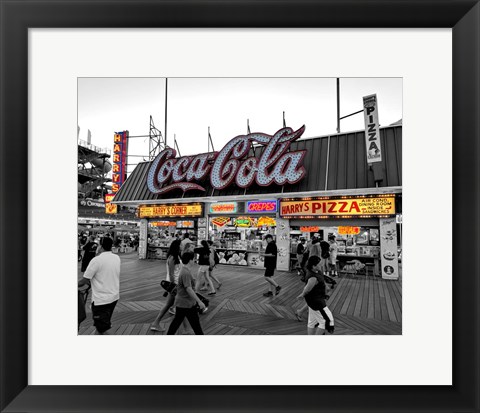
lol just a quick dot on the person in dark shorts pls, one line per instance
(186, 301)
(103, 274)
(270, 263)
(320, 318)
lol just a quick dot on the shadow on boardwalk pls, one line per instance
(361, 306)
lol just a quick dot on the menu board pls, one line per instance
(388, 251)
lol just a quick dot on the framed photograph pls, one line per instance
(430, 363)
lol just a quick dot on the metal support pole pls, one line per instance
(338, 105)
(166, 94)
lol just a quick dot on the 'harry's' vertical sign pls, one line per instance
(119, 170)
(372, 129)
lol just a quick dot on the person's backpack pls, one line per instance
(216, 258)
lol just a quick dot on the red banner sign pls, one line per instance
(348, 230)
(108, 198)
(231, 165)
(310, 229)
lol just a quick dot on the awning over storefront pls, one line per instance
(323, 223)
(336, 162)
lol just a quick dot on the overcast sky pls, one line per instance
(108, 105)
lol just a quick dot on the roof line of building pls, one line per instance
(254, 197)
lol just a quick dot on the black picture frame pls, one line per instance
(463, 16)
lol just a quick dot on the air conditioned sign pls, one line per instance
(119, 169)
(372, 129)
(183, 210)
(276, 165)
(380, 206)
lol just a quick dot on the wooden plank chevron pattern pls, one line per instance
(361, 305)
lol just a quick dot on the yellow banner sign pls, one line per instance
(186, 210)
(368, 207)
(110, 208)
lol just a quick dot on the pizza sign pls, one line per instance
(276, 164)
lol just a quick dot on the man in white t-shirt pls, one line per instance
(103, 274)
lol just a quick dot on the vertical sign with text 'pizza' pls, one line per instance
(372, 129)
(119, 169)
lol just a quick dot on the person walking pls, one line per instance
(184, 245)
(300, 251)
(270, 263)
(320, 318)
(325, 262)
(173, 259)
(103, 274)
(90, 250)
(333, 255)
(214, 260)
(173, 267)
(203, 269)
(186, 301)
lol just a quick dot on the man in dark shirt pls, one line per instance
(90, 249)
(270, 264)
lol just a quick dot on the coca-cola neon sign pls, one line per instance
(231, 164)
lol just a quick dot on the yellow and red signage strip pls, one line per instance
(119, 169)
(108, 198)
(163, 224)
(348, 230)
(110, 208)
(224, 207)
(344, 207)
(177, 210)
(313, 228)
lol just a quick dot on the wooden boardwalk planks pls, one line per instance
(360, 305)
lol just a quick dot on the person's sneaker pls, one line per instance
(268, 294)
(277, 289)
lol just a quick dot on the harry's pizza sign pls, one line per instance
(338, 207)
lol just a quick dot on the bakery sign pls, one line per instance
(180, 210)
(232, 164)
(363, 207)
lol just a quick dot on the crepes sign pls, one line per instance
(276, 164)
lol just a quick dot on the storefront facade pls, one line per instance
(259, 184)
